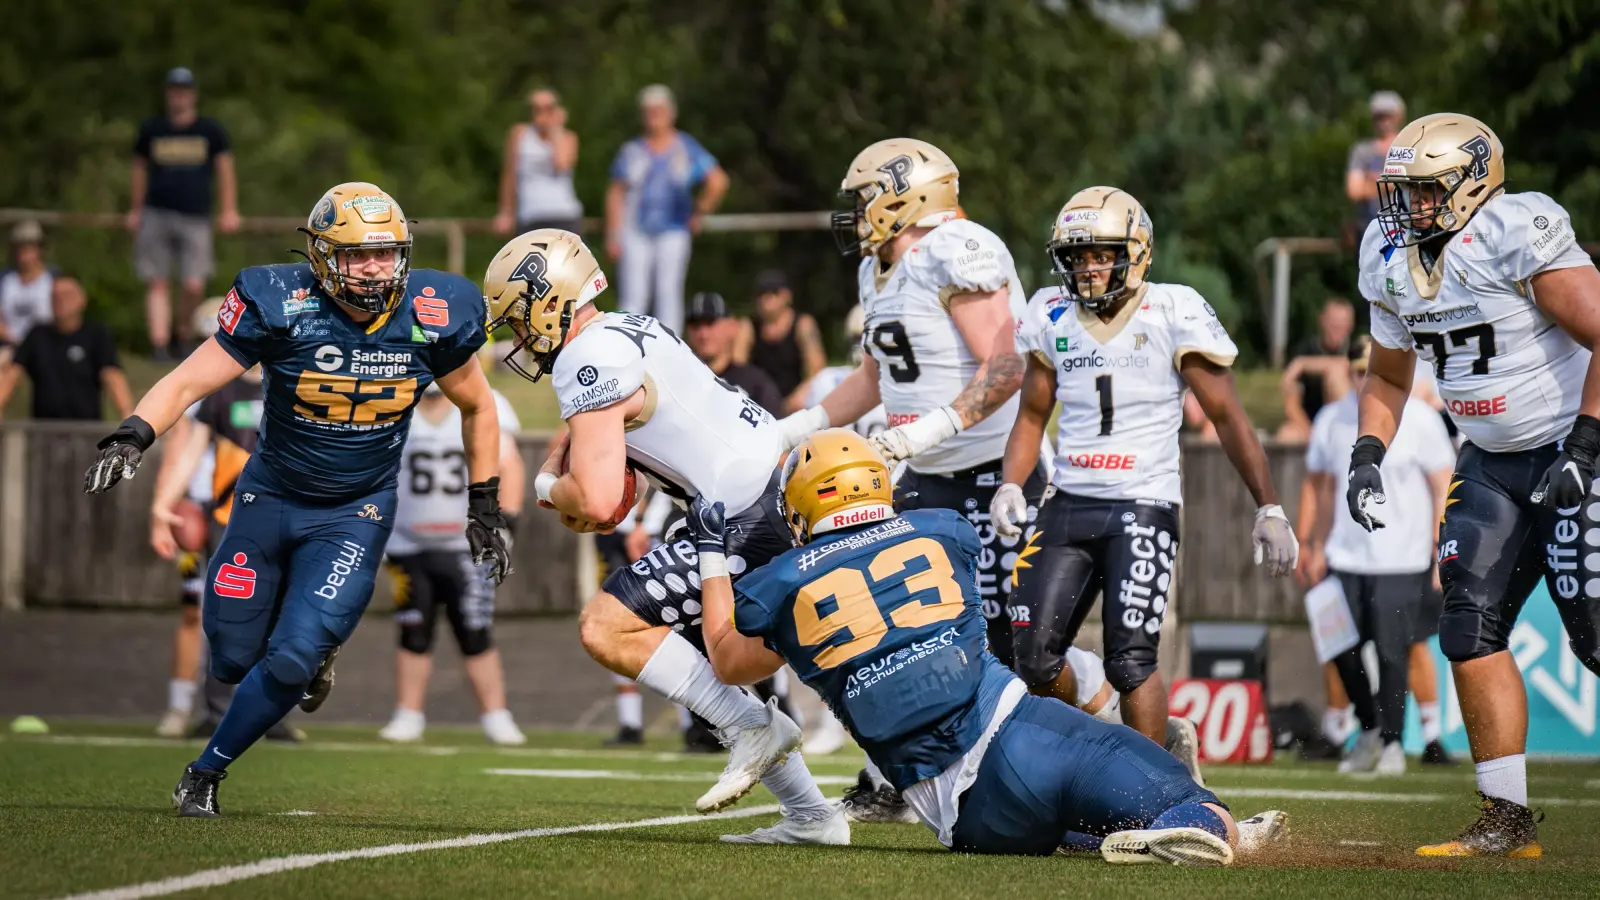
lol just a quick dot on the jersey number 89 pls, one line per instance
(848, 597)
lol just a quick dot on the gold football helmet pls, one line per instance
(535, 285)
(834, 479)
(1103, 218)
(1440, 170)
(357, 215)
(892, 185)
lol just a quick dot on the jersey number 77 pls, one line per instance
(843, 603)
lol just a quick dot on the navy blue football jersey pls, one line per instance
(338, 395)
(886, 623)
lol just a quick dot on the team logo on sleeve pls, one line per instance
(232, 310)
(588, 375)
(431, 310)
(899, 172)
(235, 579)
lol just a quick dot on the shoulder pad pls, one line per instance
(278, 292)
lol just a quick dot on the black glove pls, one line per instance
(120, 453)
(1567, 481)
(488, 532)
(707, 526)
(1366, 485)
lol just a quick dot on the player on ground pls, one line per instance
(1117, 352)
(1493, 291)
(348, 341)
(881, 615)
(430, 565)
(634, 395)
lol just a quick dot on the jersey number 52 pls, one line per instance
(842, 602)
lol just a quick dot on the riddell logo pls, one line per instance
(235, 579)
(860, 516)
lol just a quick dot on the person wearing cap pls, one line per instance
(24, 288)
(1361, 173)
(174, 159)
(71, 362)
(784, 343)
(653, 211)
(1389, 580)
(711, 333)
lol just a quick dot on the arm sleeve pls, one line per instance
(1196, 329)
(752, 617)
(605, 368)
(509, 423)
(241, 329)
(1535, 236)
(968, 259)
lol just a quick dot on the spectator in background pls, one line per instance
(1318, 370)
(1366, 161)
(782, 342)
(174, 160)
(536, 171)
(711, 333)
(652, 212)
(24, 288)
(71, 362)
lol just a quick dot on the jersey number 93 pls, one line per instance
(842, 603)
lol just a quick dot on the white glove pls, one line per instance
(916, 438)
(1274, 541)
(797, 427)
(1008, 511)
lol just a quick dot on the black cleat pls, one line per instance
(1435, 755)
(321, 684)
(626, 737)
(1503, 829)
(876, 805)
(195, 797)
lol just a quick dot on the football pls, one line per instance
(630, 496)
(191, 531)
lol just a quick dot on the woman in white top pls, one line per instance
(536, 173)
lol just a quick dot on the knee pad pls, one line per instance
(227, 671)
(1463, 635)
(1127, 673)
(474, 641)
(293, 662)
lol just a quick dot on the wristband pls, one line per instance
(713, 565)
(543, 484)
(1583, 441)
(133, 430)
(1368, 450)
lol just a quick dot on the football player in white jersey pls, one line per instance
(634, 395)
(430, 566)
(1491, 290)
(1117, 352)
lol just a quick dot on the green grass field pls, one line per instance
(86, 809)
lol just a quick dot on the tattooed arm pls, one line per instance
(986, 325)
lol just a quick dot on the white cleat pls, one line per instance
(1363, 757)
(752, 753)
(501, 729)
(174, 724)
(1264, 831)
(1392, 761)
(1183, 741)
(1166, 846)
(403, 729)
(831, 831)
(828, 737)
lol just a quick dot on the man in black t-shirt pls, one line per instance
(711, 333)
(69, 361)
(1318, 368)
(174, 160)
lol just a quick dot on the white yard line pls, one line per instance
(621, 775)
(210, 878)
(1376, 797)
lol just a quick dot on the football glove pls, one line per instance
(1366, 484)
(1008, 511)
(1274, 541)
(918, 437)
(488, 531)
(708, 527)
(796, 427)
(1567, 481)
(120, 454)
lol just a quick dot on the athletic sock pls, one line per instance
(1192, 815)
(630, 710)
(180, 694)
(680, 673)
(1505, 777)
(259, 703)
(1429, 714)
(794, 787)
(1088, 673)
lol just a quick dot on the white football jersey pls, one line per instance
(1509, 376)
(923, 363)
(696, 435)
(823, 383)
(1119, 389)
(431, 506)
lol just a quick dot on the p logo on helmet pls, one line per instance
(535, 286)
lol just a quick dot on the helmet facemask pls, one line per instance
(852, 229)
(1075, 274)
(371, 295)
(540, 349)
(1402, 215)
(799, 528)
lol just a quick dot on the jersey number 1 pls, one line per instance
(842, 601)
(1108, 409)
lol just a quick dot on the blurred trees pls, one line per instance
(1231, 122)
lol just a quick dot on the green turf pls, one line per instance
(85, 808)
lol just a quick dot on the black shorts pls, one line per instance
(1382, 607)
(1425, 615)
(1084, 547)
(970, 492)
(427, 582)
(663, 586)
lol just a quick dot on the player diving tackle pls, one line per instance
(881, 614)
(346, 357)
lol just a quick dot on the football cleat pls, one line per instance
(753, 752)
(1263, 831)
(1503, 829)
(174, 723)
(1166, 846)
(1435, 755)
(195, 797)
(832, 830)
(321, 685)
(873, 805)
(625, 737)
(1183, 741)
(1363, 757)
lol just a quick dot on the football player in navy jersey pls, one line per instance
(881, 614)
(347, 341)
